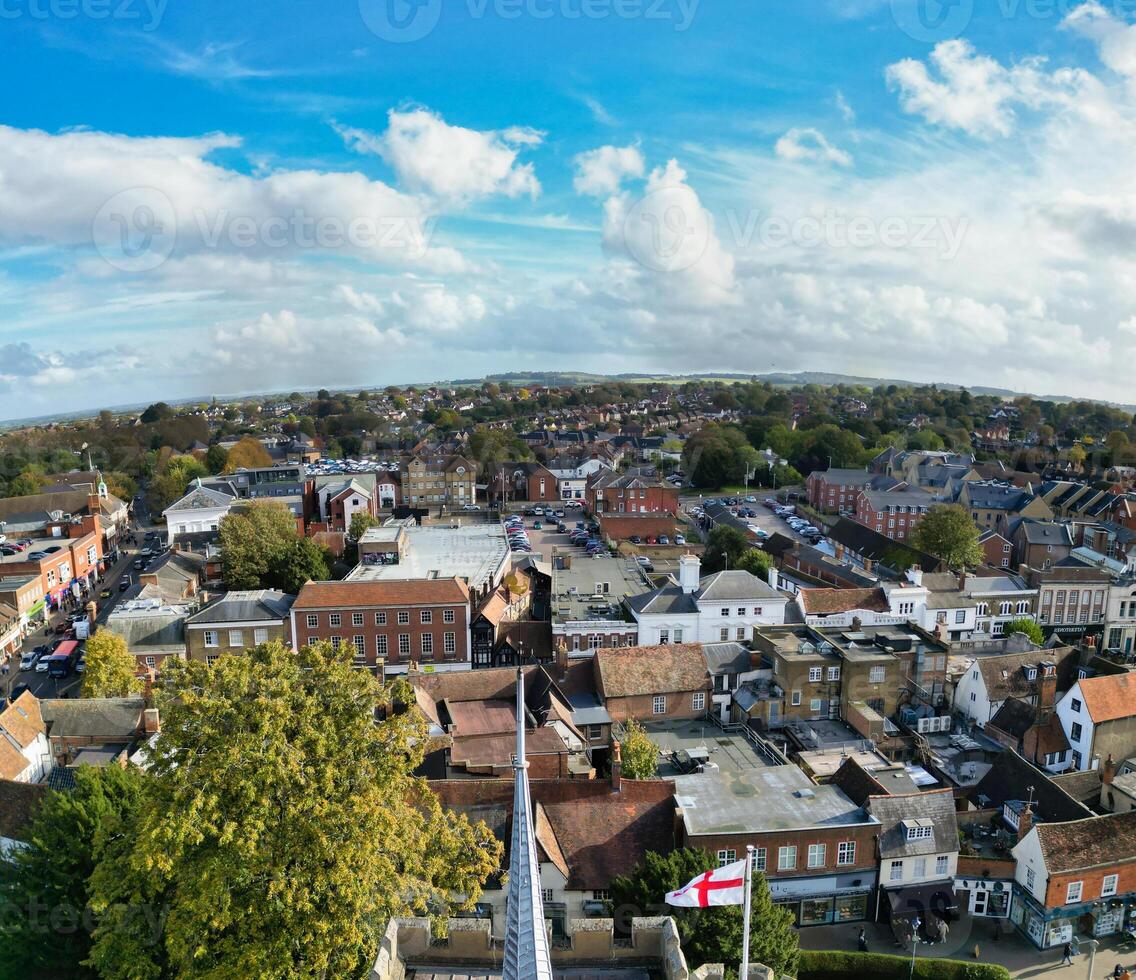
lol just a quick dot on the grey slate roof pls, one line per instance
(937, 806)
(264, 605)
(728, 658)
(734, 584)
(668, 599)
(200, 498)
(92, 717)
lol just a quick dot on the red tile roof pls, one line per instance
(822, 602)
(1089, 843)
(341, 595)
(631, 671)
(1110, 697)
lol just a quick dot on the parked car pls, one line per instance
(537, 526)
(664, 539)
(28, 660)
(41, 664)
(561, 513)
(680, 539)
(124, 583)
(751, 500)
(105, 594)
(82, 664)
(635, 539)
(538, 512)
(470, 507)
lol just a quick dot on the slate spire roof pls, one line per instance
(527, 955)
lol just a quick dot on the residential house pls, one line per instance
(990, 680)
(867, 548)
(815, 846)
(572, 474)
(997, 549)
(992, 505)
(517, 482)
(1040, 544)
(608, 492)
(1075, 877)
(24, 753)
(1120, 633)
(237, 622)
(101, 729)
(730, 665)
(390, 624)
(653, 682)
(998, 600)
(895, 513)
(714, 608)
(834, 491)
(153, 630)
(1098, 715)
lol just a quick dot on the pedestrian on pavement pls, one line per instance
(1067, 954)
(862, 942)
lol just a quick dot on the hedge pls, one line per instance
(824, 964)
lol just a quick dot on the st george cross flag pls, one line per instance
(722, 886)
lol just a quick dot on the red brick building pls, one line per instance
(835, 491)
(894, 513)
(608, 492)
(529, 482)
(998, 550)
(653, 683)
(423, 621)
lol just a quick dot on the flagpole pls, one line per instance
(743, 973)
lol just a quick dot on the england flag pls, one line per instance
(722, 886)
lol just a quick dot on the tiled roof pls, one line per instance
(631, 671)
(22, 719)
(1005, 675)
(1015, 717)
(1013, 778)
(331, 595)
(93, 717)
(1088, 843)
(818, 602)
(1108, 698)
(937, 806)
(857, 783)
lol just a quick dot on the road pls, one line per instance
(48, 687)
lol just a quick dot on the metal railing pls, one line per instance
(766, 749)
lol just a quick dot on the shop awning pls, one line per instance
(936, 898)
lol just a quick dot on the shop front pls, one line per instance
(833, 899)
(985, 898)
(1047, 928)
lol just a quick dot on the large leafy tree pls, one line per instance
(725, 546)
(638, 754)
(261, 548)
(247, 453)
(712, 935)
(110, 670)
(1028, 627)
(46, 928)
(281, 828)
(947, 532)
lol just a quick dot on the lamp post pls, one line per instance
(726, 555)
(915, 924)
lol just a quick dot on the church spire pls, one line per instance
(526, 936)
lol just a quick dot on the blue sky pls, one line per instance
(214, 197)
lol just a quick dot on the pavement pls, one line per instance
(977, 939)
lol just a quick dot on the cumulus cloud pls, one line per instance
(1115, 39)
(600, 172)
(810, 145)
(451, 162)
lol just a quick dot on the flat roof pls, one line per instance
(824, 762)
(478, 553)
(729, 751)
(39, 543)
(762, 800)
(572, 588)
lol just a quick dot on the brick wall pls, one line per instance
(864, 858)
(371, 632)
(678, 705)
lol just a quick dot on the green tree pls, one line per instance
(157, 412)
(947, 532)
(27, 482)
(640, 756)
(44, 888)
(712, 935)
(216, 458)
(1027, 627)
(173, 479)
(281, 827)
(756, 562)
(110, 667)
(725, 546)
(261, 549)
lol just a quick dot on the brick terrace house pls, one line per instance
(815, 845)
(390, 623)
(653, 683)
(530, 482)
(895, 513)
(612, 493)
(1076, 877)
(835, 491)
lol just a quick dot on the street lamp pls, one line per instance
(726, 555)
(915, 924)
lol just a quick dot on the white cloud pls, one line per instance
(451, 163)
(601, 172)
(973, 92)
(810, 144)
(1115, 39)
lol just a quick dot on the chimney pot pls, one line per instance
(616, 766)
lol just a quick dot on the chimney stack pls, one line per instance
(915, 575)
(1025, 821)
(857, 623)
(561, 658)
(1046, 688)
(689, 572)
(616, 766)
(151, 723)
(1108, 770)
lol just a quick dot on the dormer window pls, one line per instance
(919, 829)
(1031, 673)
